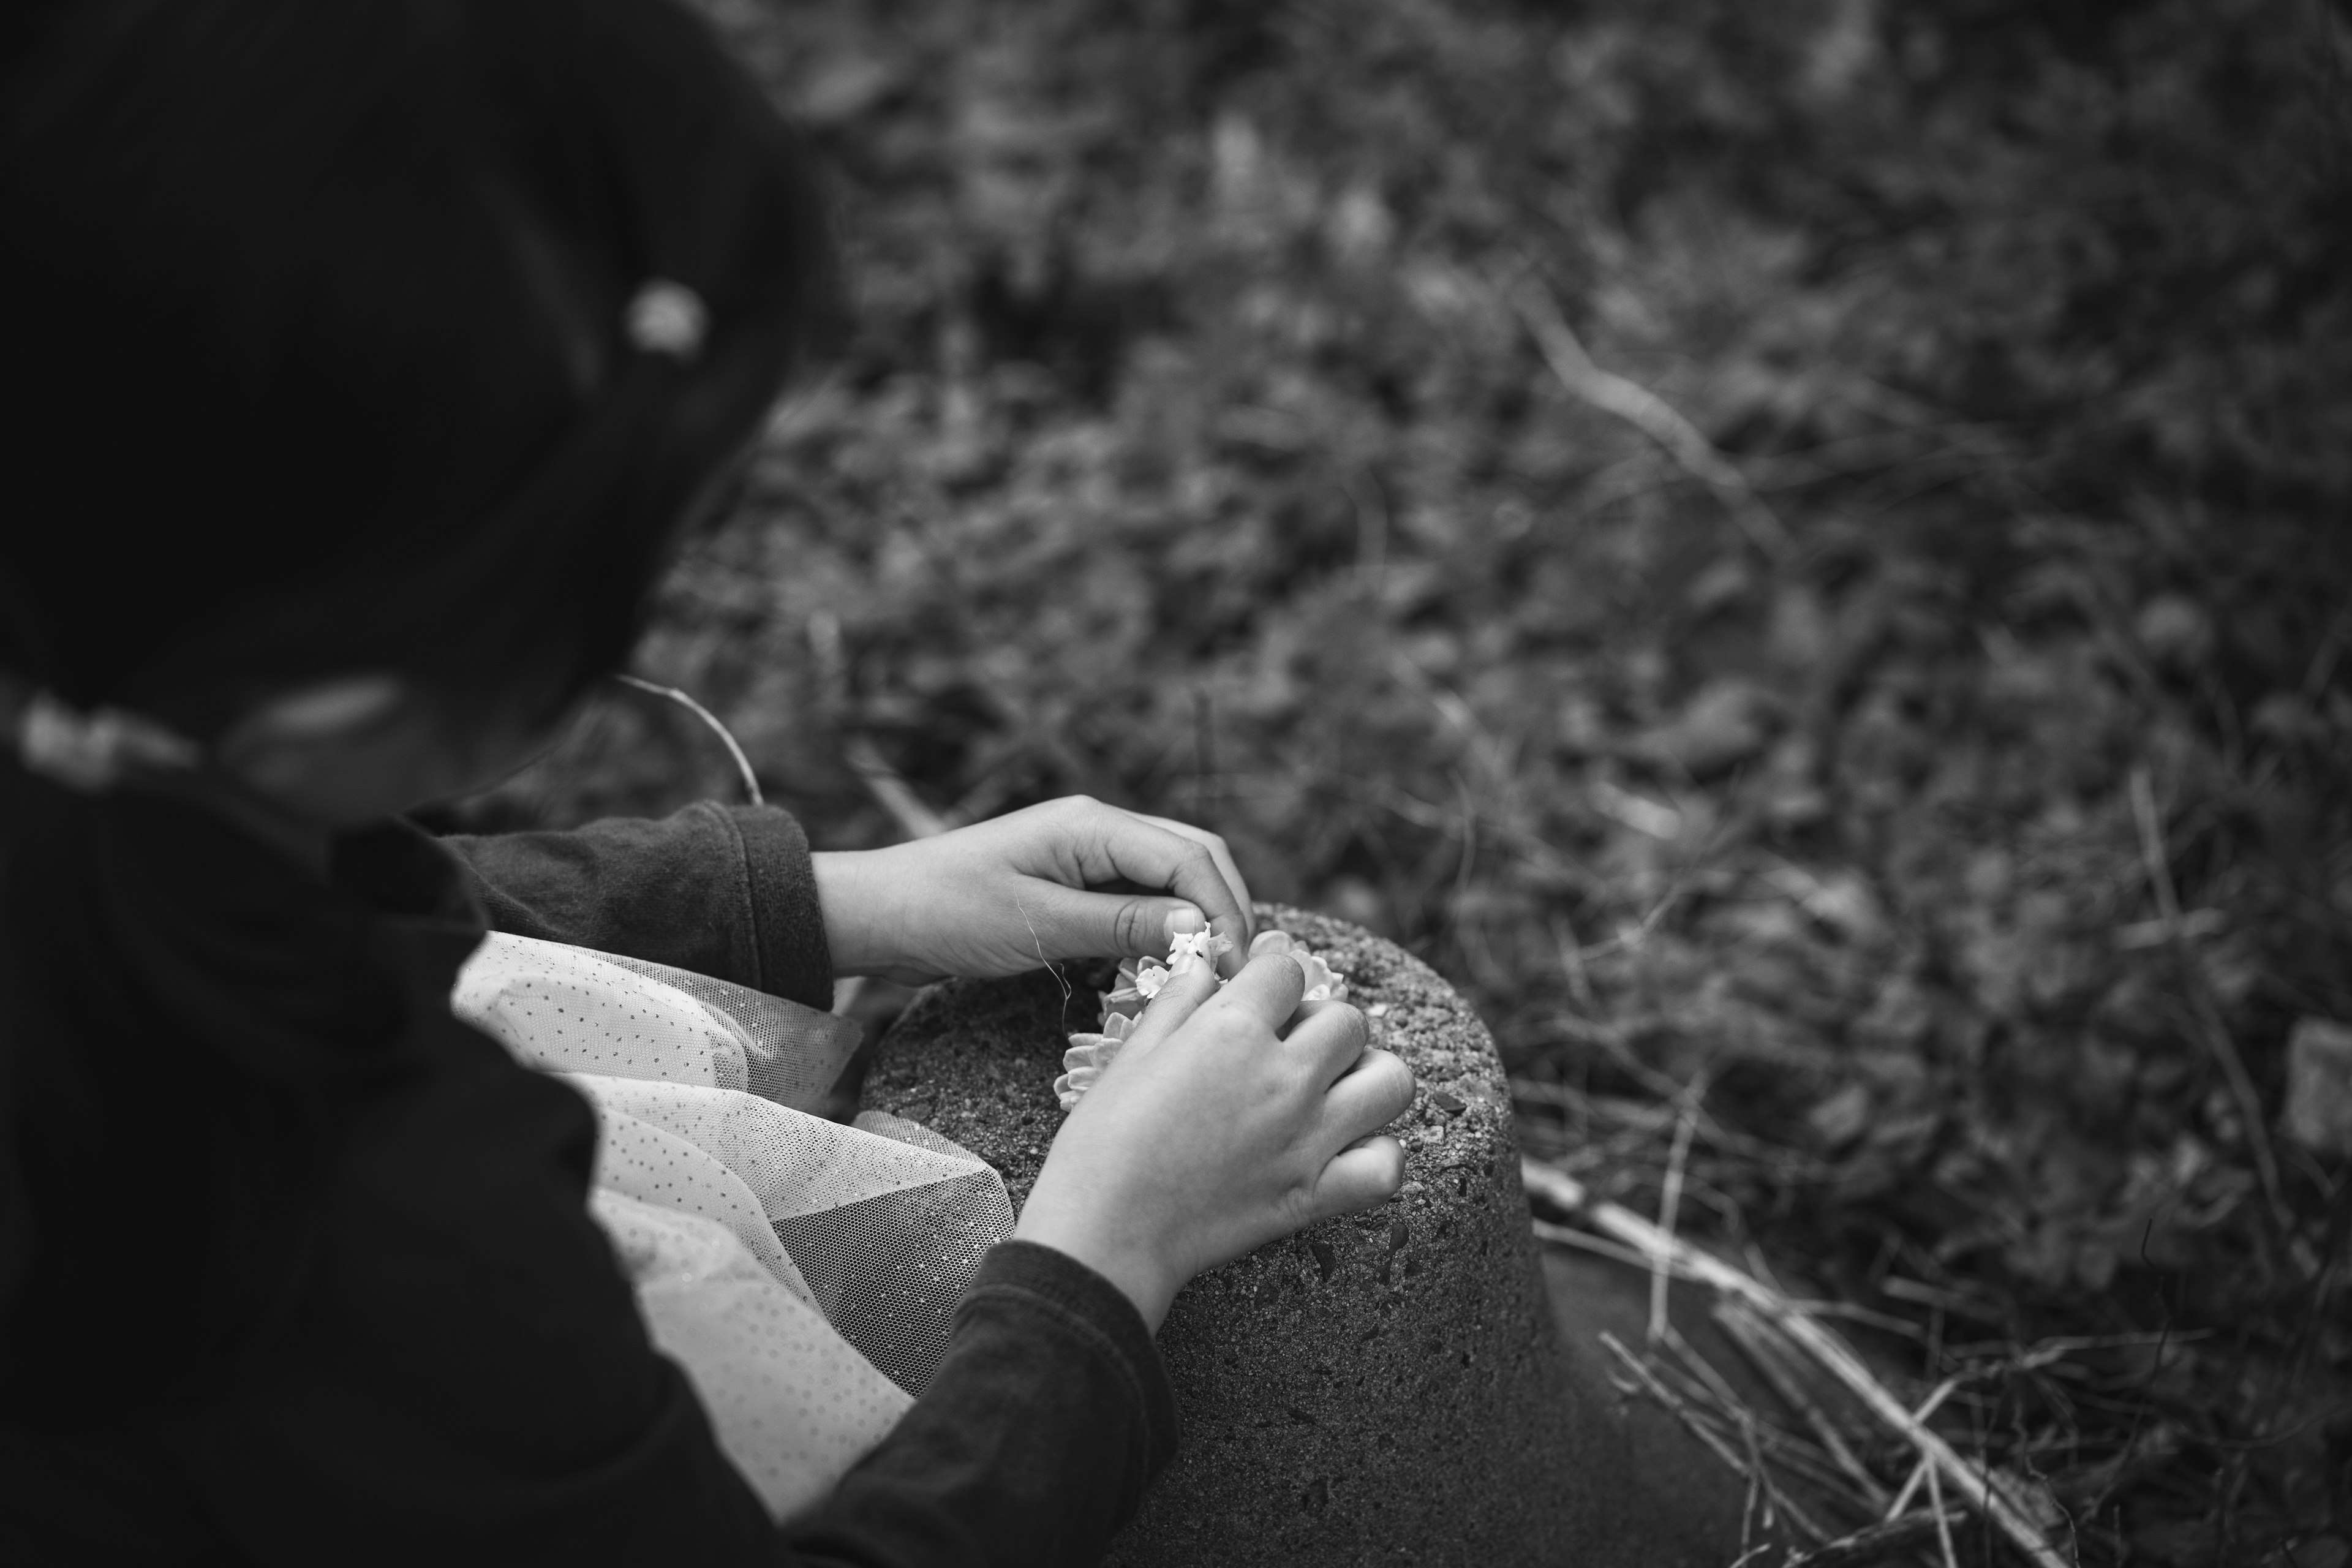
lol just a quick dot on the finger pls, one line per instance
(1308, 1009)
(1120, 845)
(1267, 988)
(1357, 1177)
(1213, 842)
(1245, 927)
(1072, 923)
(1178, 999)
(1331, 1036)
(1377, 1091)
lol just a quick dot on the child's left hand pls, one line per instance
(1010, 894)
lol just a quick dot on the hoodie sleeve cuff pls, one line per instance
(787, 924)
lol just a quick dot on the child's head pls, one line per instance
(342, 346)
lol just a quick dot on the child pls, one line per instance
(370, 358)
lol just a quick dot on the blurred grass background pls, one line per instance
(1944, 796)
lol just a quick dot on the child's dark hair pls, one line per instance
(318, 358)
(317, 346)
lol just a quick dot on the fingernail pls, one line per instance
(1184, 921)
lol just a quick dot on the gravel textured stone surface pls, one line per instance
(1385, 1387)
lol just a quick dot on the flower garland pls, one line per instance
(1139, 980)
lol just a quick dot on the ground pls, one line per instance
(1795, 549)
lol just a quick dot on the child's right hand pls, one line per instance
(1217, 1130)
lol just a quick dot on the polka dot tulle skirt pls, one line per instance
(804, 1273)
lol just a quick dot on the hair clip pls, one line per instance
(92, 751)
(667, 318)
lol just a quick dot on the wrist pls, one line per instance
(847, 890)
(1132, 1271)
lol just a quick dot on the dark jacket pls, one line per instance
(298, 1269)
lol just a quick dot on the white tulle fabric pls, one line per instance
(804, 1273)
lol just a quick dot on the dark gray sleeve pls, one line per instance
(1032, 1444)
(723, 891)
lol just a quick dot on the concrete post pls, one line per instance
(1386, 1388)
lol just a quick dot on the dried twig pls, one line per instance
(1677, 1404)
(1794, 1456)
(1657, 1390)
(1765, 1352)
(1753, 1468)
(1910, 1490)
(1925, 1468)
(726, 738)
(1648, 413)
(1814, 1340)
(1943, 1520)
(1669, 1203)
(1583, 1241)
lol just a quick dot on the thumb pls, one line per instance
(1075, 924)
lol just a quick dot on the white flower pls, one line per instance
(1127, 994)
(1201, 946)
(1140, 980)
(1324, 984)
(1270, 941)
(1089, 1056)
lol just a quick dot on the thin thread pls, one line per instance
(742, 763)
(1050, 967)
